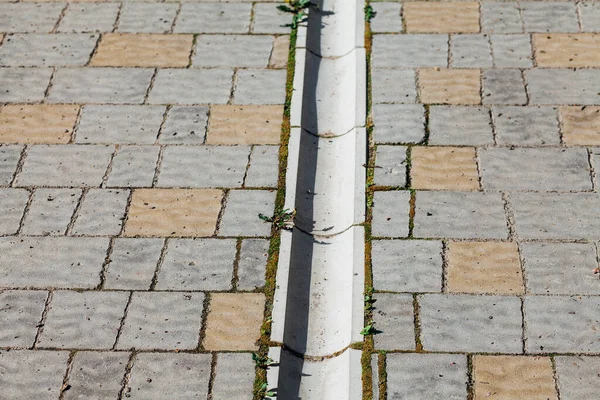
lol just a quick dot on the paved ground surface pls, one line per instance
(485, 213)
(139, 142)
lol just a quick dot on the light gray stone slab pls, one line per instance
(89, 17)
(410, 51)
(501, 17)
(268, 19)
(213, 18)
(24, 85)
(41, 50)
(529, 125)
(191, 86)
(549, 16)
(9, 158)
(234, 376)
(241, 213)
(232, 51)
(376, 379)
(132, 263)
(387, 18)
(260, 86)
(185, 125)
(96, 375)
(133, 166)
(147, 17)
(390, 166)
(460, 125)
(394, 86)
(563, 86)
(102, 212)
(511, 51)
(589, 12)
(391, 213)
(470, 51)
(577, 377)
(503, 86)
(399, 123)
(394, 322)
(12, 206)
(20, 313)
(264, 167)
(29, 17)
(252, 264)
(50, 211)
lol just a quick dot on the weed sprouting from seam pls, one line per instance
(298, 10)
(281, 219)
(370, 13)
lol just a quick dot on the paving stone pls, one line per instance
(234, 321)
(83, 320)
(471, 51)
(102, 212)
(580, 125)
(465, 323)
(162, 321)
(394, 322)
(260, 86)
(100, 85)
(96, 375)
(444, 168)
(24, 85)
(549, 16)
(394, 86)
(563, 86)
(147, 17)
(460, 126)
(390, 166)
(567, 50)
(241, 213)
(513, 377)
(232, 51)
(252, 264)
(460, 215)
(248, 124)
(65, 165)
(526, 125)
(449, 86)
(173, 212)
(50, 211)
(234, 376)
(437, 17)
(133, 166)
(561, 324)
(503, 86)
(511, 51)
(132, 263)
(185, 125)
(375, 376)
(501, 17)
(41, 50)
(430, 376)
(268, 19)
(156, 376)
(577, 377)
(387, 17)
(12, 206)
(264, 167)
(410, 51)
(89, 17)
(589, 13)
(213, 18)
(39, 123)
(391, 213)
(191, 86)
(29, 17)
(9, 158)
(32, 374)
(280, 53)
(20, 312)
(398, 123)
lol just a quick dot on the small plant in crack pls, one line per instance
(282, 219)
(369, 13)
(265, 393)
(261, 362)
(297, 8)
(369, 329)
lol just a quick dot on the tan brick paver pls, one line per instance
(449, 86)
(279, 55)
(566, 50)
(444, 168)
(581, 125)
(438, 17)
(249, 124)
(38, 123)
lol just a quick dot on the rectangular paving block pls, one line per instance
(394, 86)
(24, 85)
(132, 263)
(96, 374)
(563, 86)
(89, 17)
(549, 16)
(147, 17)
(232, 51)
(246, 124)
(503, 86)
(133, 166)
(511, 51)
(452, 125)
(20, 313)
(589, 14)
(501, 17)
(213, 18)
(260, 86)
(50, 211)
(390, 166)
(42, 50)
(529, 125)
(102, 212)
(443, 168)
(241, 213)
(577, 376)
(252, 264)
(450, 86)
(29, 17)
(37, 123)
(184, 125)
(398, 123)
(191, 86)
(410, 51)
(580, 125)
(9, 158)
(234, 376)
(12, 207)
(563, 50)
(387, 18)
(391, 213)
(470, 51)
(279, 54)
(263, 170)
(394, 322)
(269, 19)
(436, 17)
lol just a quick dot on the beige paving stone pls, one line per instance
(444, 168)
(234, 321)
(449, 86)
(439, 17)
(484, 267)
(173, 212)
(567, 50)
(581, 125)
(246, 124)
(39, 123)
(513, 378)
(143, 50)
(279, 55)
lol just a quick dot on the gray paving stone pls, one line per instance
(147, 17)
(29, 17)
(376, 379)
(399, 123)
(20, 312)
(42, 50)
(394, 322)
(264, 167)
(387, 18)
(65, 165)
(83, 320)
(58, 262)
(89, 17)
(426, 376)
(252, 264)
(563, 86)
(503, 86)
(268, 19)
(102, 212)
(562, 324)
(241, 213)
(30, 374)
(50, 211)
(390, 166)
(463, 323)
(501, 17)
(132, 263)
(133, 166)
(232, 51)
(470, 51)
(260, 86)
(234, 376)
(460, 215)
(391, 213)
(535, 169)
(197, 264)
(589, 12)
(460, 125)
(213, 18)
(549, 16)
(96, 375)
(100, 85)
(410, 51)
(526, 125)
(556, 215)
(222, 166)
(577, 377)
(511, 51)
(191, 86)
(394, 86)
(166, 320)
(407, 265)
(185, 125)
(119, 124)
(24, 85)
(9, 158)
(12, 206)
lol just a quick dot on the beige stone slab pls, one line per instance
(441, 17)
(279, 55)
(484, 267)
(173, 212)
(245, 124)
(450, 86)
(39, 123)
(567, 50)
(581, 125)
(234, 321)
(143, 50)
(444, 168)
(513, 378)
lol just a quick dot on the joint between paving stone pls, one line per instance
(76, 211)
(127, 376)
(40, 325)
(65, 382)
(122, 322)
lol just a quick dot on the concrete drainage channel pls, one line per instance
(318, 305)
